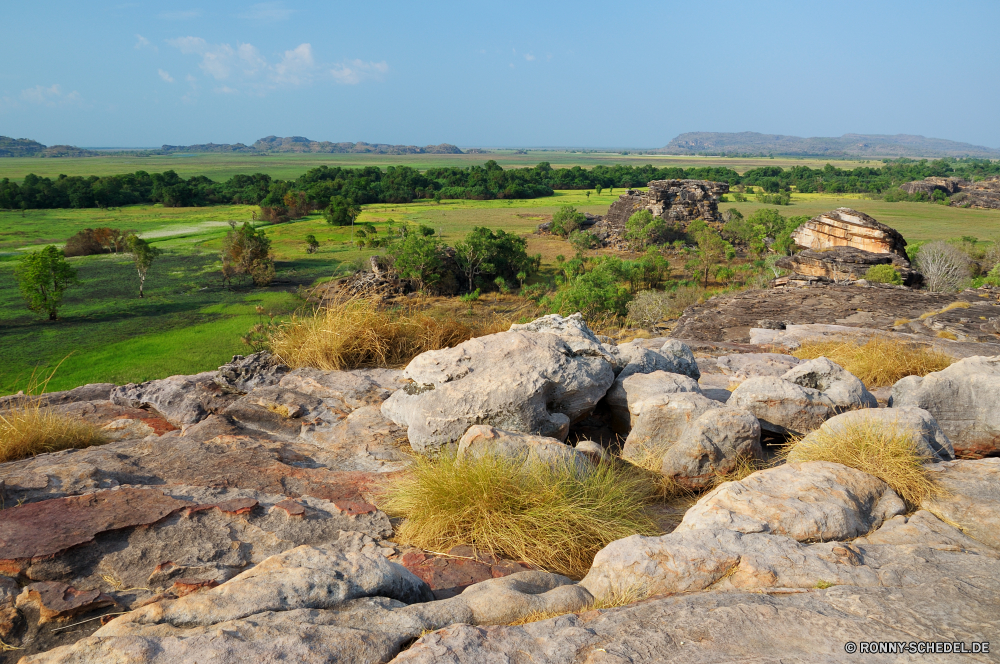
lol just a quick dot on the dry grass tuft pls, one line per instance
(959, 304)
(648, 460)
(623, 597)
(880, 361)
(886, 450)
(549, 516)
(745, 466)
(358, 333)
(945, 334)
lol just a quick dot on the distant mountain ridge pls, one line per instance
(751, 143)
(278, 144)
(25, 147)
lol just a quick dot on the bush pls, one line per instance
(357, 334)
(551, 516)
(42, 277)
(566, 220)
(643, 229)
(945, 268)
(28, 429)
(583, 240)
(885, 450)
(419, 258)
(652, 306)
(880, 361)
(591, 293)
(883, 274)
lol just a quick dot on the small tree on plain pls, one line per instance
(312, 244)
(945, 268)
(143, 255)
(598, 188)
(42, 277)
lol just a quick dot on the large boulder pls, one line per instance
(965, 401)
(661, 421)
(711, 446)
(482, 440)
(845, 227)
(244, 373)
(930, 440)
(530, 382)
(642, 387)
(812, 501)
(675, 359)
(840, 386)
(747, 365)
(182, 400)
(970, 497)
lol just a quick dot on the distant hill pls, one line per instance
(751, 143)
(277, 144)
(25, 147)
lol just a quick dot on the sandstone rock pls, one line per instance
(347, 389)
(931, 184)
(482, 440)
(843, 264)
(782, 406)
(712, 445)
(59, 601)
(971, 497)
(748, 365)
(965, 401)
(795, 335)
(182, 400)
(571, 329)
(448, 575)
(245, 373)
(845, 227)
(930, 440)
(640, 361)
(90, 392)
(983, 194)
(923, 529)
(840, 386)
(812, 501)
(672, 200)
(643, 387)
(661, 422)
(516, 381)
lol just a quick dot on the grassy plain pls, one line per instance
(189, 323)
(289, 166)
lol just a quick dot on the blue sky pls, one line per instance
(495, 74)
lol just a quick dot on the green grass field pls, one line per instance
(188, 322)
(289, 166)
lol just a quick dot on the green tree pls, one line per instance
(711, 249)
(598, 188)
(420, 259)
(341, 211)
(493, 253)
(246, 252)
(566, 220)
(143, 255)
(42, 277)
(312, 244)
(643, 229)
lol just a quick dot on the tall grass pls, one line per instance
(358, 333)
(878, 362)
(886, 450)
(553, 517)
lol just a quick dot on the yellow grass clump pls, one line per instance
(886, 450)
(745, 466)
(548, 515)
(878, 362)
(358, 333)
(28, 428)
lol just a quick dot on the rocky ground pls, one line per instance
(234, 517)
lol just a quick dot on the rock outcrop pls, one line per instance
(845, 227)
(979, 194)
(844, 264)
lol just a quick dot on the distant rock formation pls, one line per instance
(980, 194)
(678, 201)
(751, 143)
(278, 144)
(25, 147)
(843, 244)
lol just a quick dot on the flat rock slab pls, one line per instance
(448, 575)
(971, 498)
(60, 601)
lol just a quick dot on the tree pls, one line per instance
(246, 252)
(945, 268)
(420, 259)
(471, 258)
(598, 188)
(312, 244)
(341, 212)
(588, 195)
(566, 220)
(143, 255)
(711, 249)
(493, 253)
(42, 277)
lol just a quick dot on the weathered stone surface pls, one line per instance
(448, 575)
(930, 439)
(640, 361)
(844, 264)
(90, 392)
(793, 336)
(481, 440)
(965, 401)
(921, 529)
(983, 194)
(116, 422)
(971, 497)
(782, 406)
(643, 387)
(573, 330)
(836, 383)
(244, 373)
(810, 502)
(517, 381)
(712, 445)
(181, 400)
(59, 601)
(661, 422)
(845, 227)
(931, 184)
(352, 389)
(748, 365)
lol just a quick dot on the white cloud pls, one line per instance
(268, 11)
(50, 96)
(141, 42)
(226, 90)
(529, 57)
(165, 76)
(296, 66)
(185, 15)
(352, 72)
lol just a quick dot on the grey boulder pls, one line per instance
(181, 400)
(244, 373)
(711, 446)
(930, 440)
(483, 440)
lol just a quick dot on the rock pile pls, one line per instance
(841, 246)
(236, 517)
(676, 201)
(979, 194)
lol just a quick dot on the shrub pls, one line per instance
(883, 274)
(356, 334)
(419, 258)
(590, 293)
(566, 220)
(945, 268)
(27, 429)
(551, 516)
(583, 240)
(246, 252)
(880, 361)
(885, 450)
(643, 229)
(652, 306)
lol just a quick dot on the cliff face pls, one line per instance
(674, 200)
